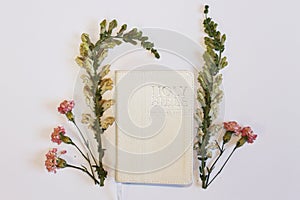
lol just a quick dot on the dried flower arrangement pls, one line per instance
(211, 138)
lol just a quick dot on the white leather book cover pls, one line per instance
(154, 126)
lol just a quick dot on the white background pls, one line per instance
(40, 39)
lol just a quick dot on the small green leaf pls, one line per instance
(113, 24)
(144, 38)
(85, 38)
(147, 45)
(84, 49)
(202, 80)
(223, 38)
(123, 28)
(156, 54)
(80, 61)
(133, 34)
(209, 42)
(139, 35)
(103, 26)
(223, 62)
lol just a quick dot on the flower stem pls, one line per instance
(85, 141)
(88, 148)
(221, 149)
(222, 166)
(202, 174)
(81, 134)
(221, 153)
(84, 170)
(87, 159)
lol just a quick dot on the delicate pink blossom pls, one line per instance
(232, 126)
(66, 106)
(248, 134)
(55, 136)
(53, 161)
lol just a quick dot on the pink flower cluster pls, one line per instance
(248, 133)
(52, 158)
(245, 132)
(55, 136)
(66, 106)
(232, 126)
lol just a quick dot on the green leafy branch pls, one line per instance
(209, 93)
(96, 83)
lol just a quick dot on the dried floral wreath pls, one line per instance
(208, 145)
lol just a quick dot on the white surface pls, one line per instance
(39, 40)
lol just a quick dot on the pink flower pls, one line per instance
(248, 134)
(53, 161)
(66, 106)
(232, 126)
(55, 136)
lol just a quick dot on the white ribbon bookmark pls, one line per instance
(119, 191)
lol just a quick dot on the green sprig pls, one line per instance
(90, 59)
(209, 94)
